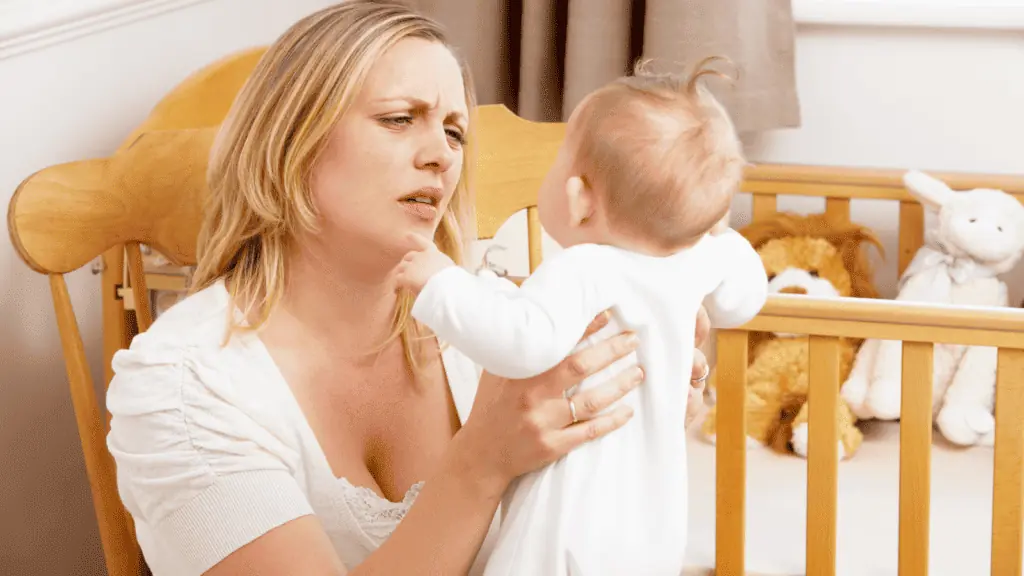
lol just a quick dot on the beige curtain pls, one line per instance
(539, 57)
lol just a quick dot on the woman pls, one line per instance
(301, 448)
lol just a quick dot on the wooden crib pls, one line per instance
(514, 153)
(906, 448)
(513, 156)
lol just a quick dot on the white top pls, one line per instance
(616, 505)
(212, 450)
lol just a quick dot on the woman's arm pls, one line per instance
(441, 533)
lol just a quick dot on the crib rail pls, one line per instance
(919, 326)
(839, 185)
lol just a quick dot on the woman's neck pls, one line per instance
(348, 305)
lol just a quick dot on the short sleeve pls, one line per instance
(194, 466)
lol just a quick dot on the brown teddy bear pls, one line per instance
(812, 255)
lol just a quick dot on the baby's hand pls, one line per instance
(420, 264)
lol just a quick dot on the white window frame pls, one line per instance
(27, 25)
(952, 14)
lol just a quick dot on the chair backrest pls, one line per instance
(150, 191)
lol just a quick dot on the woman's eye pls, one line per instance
(457, 136)
(452, 133)
(398, 119)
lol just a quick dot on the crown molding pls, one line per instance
(28, 25)
(948, 14)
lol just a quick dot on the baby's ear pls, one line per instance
(931, 192)
(580, 199)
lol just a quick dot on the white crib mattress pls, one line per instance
(867, 512)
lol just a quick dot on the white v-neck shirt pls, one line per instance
(212, 449)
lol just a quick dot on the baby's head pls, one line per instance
(650, 162)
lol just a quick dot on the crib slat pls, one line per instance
(1008, 475)
(823, 454)
(837, 209)
(764, 206)
(534, 237)
(915, 458)
(731, 453)
(911, 232)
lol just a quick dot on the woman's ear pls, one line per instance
(580, 200)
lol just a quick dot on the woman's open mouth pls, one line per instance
(422, 204)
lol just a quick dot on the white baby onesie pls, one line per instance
(615, 506)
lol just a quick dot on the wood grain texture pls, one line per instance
(1008, 473)
(152, 192)
(874, 178)
(513, 156)
(137, 278)
(731, 450)
(915, 457)
(822, 454)
(911, 233)
(116, 532)
(837, 209)
(764, 206)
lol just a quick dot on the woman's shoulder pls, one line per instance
(193, 330)
(200, 319)
(184, 366)
(187, 350)
(204, 436)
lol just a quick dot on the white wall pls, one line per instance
(64, 102)
(938, 99)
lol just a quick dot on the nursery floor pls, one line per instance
(868, 509)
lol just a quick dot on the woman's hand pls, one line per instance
(517, 426)
(700, 370)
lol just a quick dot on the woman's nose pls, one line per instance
(436, 152)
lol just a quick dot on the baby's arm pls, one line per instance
(744, 286)
(514, 333)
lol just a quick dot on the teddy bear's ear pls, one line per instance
(931, 192)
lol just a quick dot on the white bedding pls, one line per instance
(868, 508)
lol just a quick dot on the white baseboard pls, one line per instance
(27, 25)
(949, 14)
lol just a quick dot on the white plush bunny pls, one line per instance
(974, 236)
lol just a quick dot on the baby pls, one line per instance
(638, 198)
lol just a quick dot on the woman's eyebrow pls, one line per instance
(422, 105)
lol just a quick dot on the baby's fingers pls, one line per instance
(417, 243)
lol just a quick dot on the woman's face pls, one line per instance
(395, 156)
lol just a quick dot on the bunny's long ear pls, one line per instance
(930, 191)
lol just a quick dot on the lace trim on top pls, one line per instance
(378, 517)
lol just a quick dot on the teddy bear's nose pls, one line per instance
(794, 290)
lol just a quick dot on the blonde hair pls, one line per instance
(276, 131)
(662, 153)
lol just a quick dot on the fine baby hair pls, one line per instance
(662, 154)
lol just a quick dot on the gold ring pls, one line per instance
(572, 410)
(707, 371)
